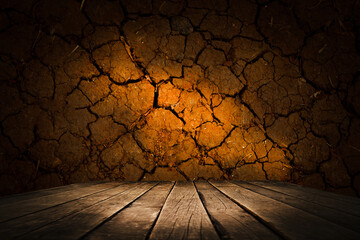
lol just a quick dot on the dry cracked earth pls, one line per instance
(180, 90)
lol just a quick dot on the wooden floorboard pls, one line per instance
(183, 216)
(333, 215)
(290, 222)
(137, 220)
(231, 221)
(9, 211)
(16, 198)
(79, 224)
(22, 225)
(181, 210)
(346, 204)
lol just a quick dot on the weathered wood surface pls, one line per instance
(288, 221)
(79, 224)
(333, 215)
(181, 210)
(183, 216)
(231, 221)
(44, 192)
(20, 226)
(137, 220)
(10, 210)
(346, 204)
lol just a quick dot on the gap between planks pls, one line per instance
(25, 207)
(290, 222)
(76, 226)
(31, 222)
(185, 210)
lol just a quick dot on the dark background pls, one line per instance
(179, 90)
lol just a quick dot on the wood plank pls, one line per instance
(43, 192)
(347, 204)
(137, 220)
(231, 221)
(20, 226)
(335, 216)
(325, 194)
(10, 211)
(79, 224)
(183, 216)
(290, 222)
(332, 195)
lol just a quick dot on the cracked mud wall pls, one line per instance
(179, 90)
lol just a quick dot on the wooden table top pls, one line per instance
(180, 210)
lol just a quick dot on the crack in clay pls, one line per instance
(201, 90)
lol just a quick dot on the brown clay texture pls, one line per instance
(179, 90)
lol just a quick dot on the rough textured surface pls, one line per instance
(179, 90)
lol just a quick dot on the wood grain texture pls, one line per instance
(183, 216)
(135, 222)
(181, 210)
(20, 226)
(288, 221)
(335, 216)
(346, 204)
(9, 211)
(231, 221)
(77, 225)
(16, 198)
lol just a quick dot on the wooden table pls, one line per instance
(180, 210)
